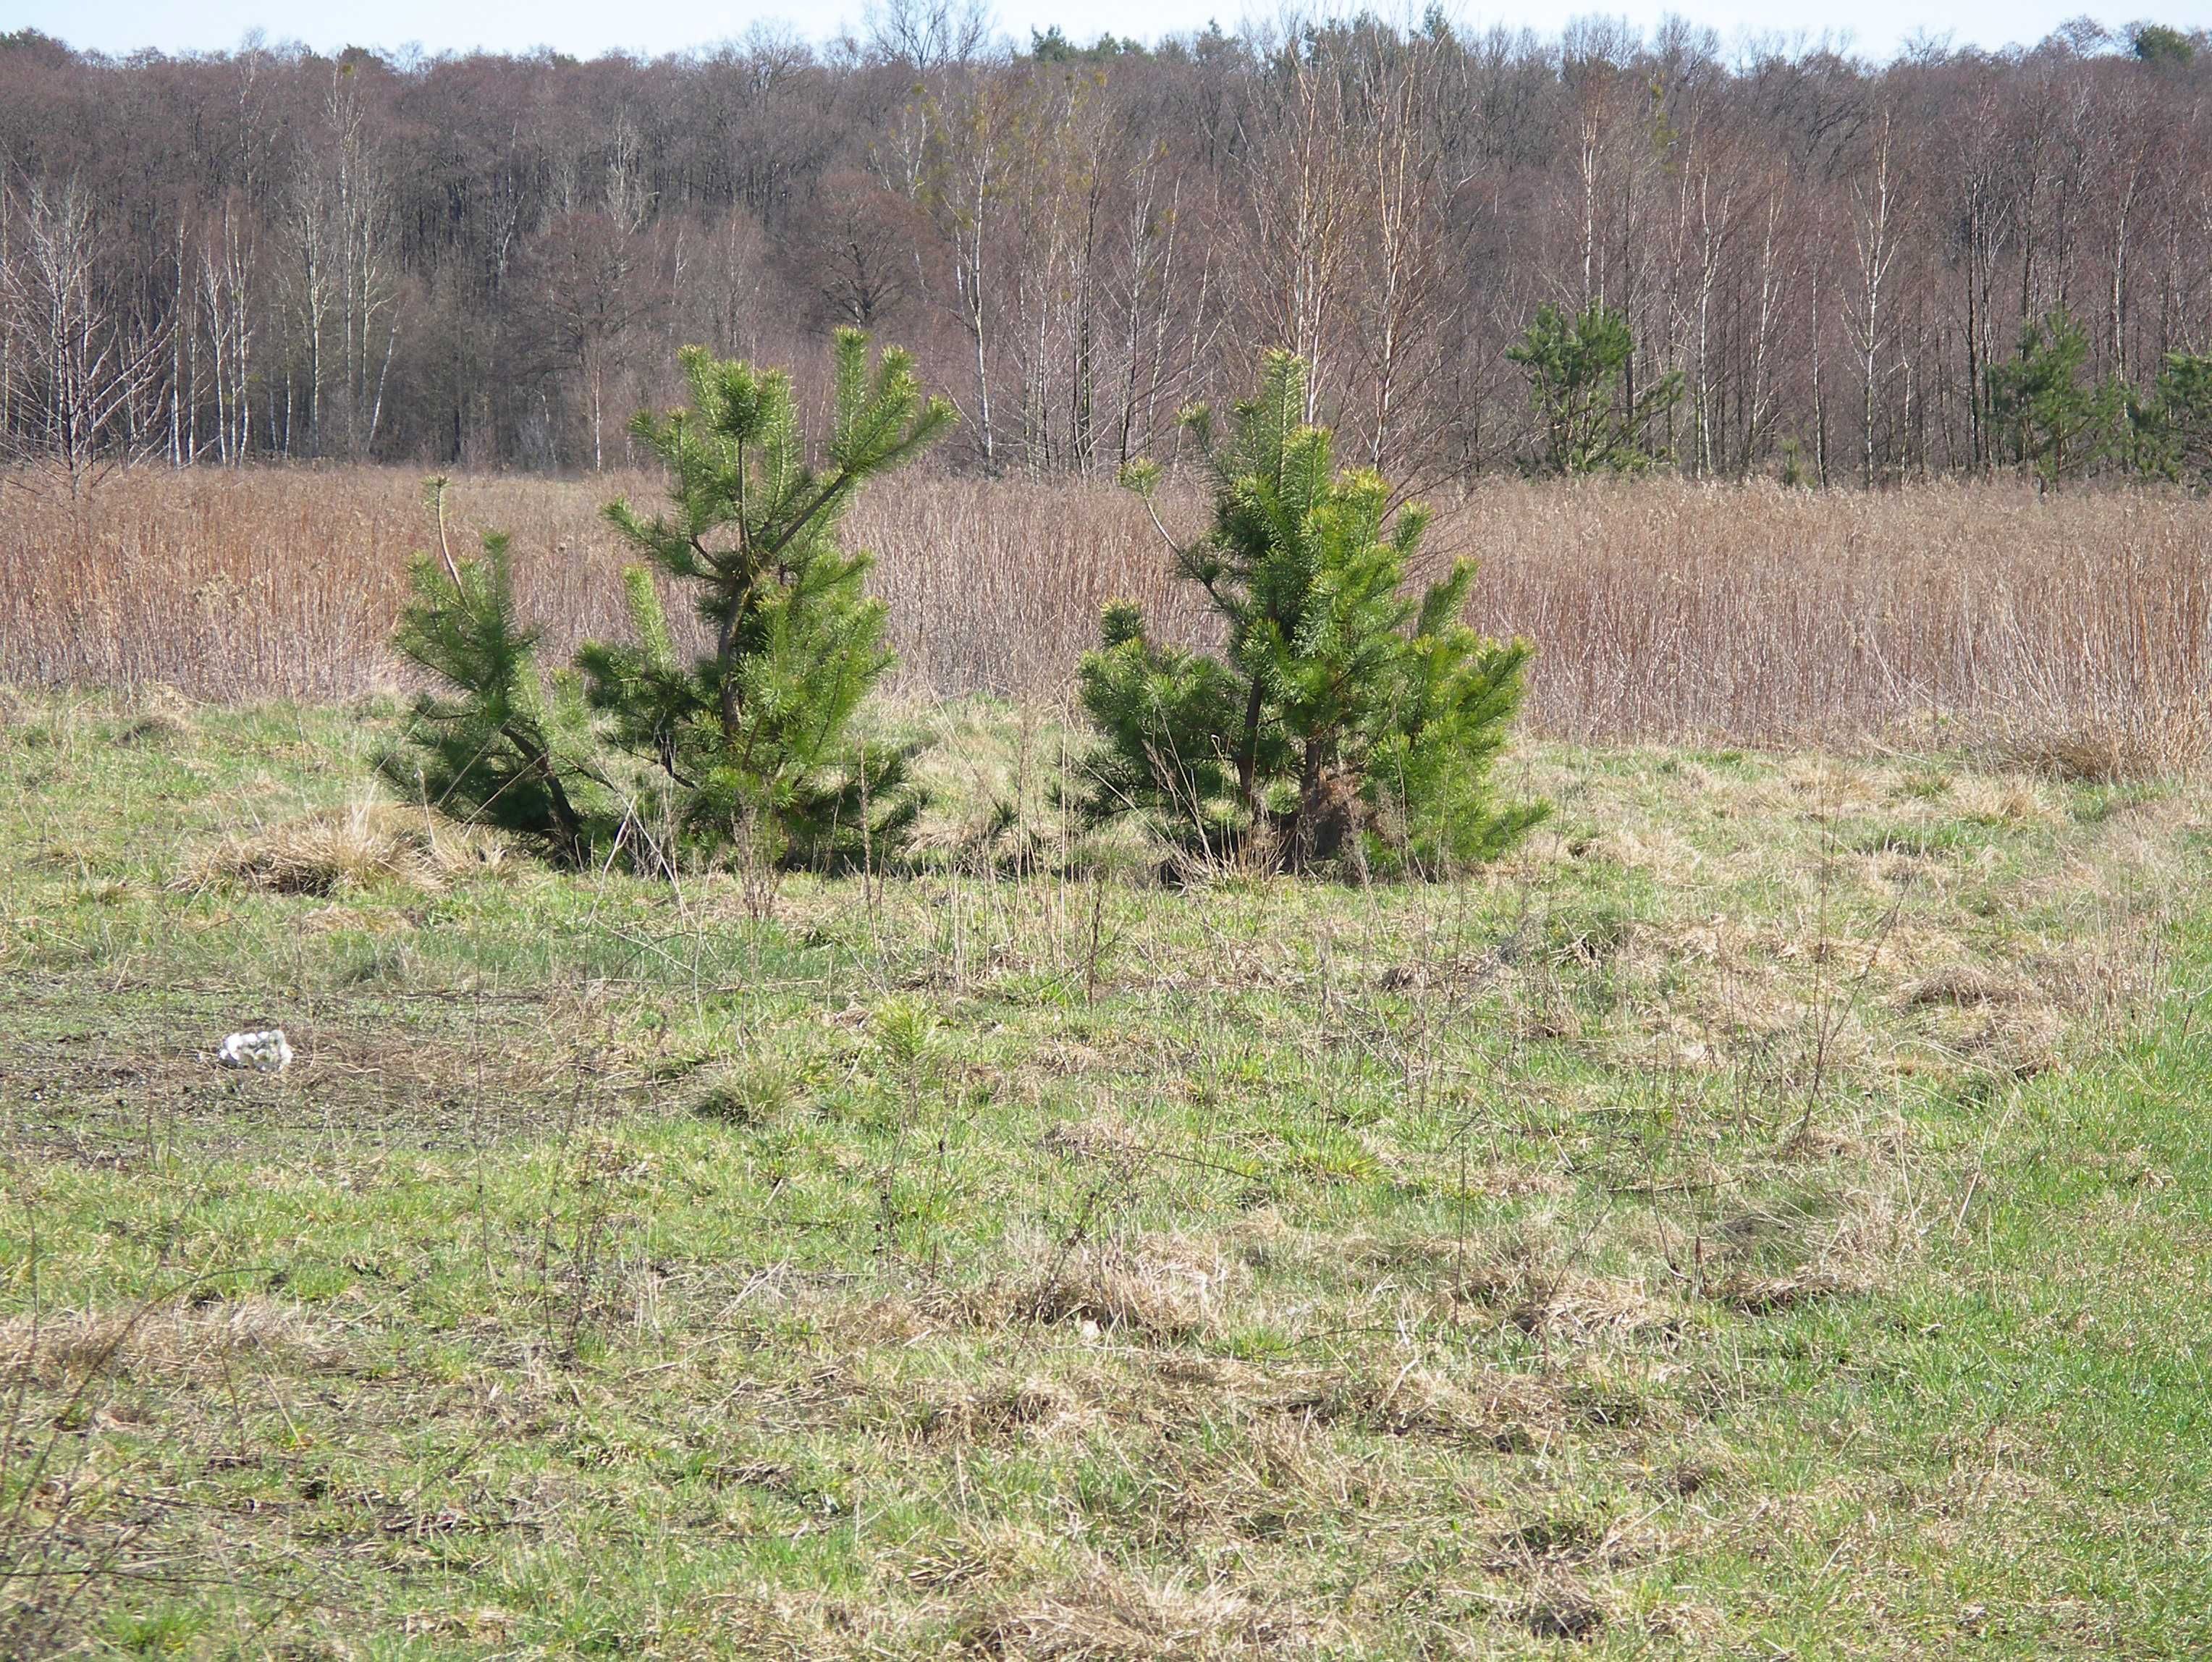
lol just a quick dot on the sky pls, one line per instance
(586, 28)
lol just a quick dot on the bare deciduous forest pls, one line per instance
(1829, 270)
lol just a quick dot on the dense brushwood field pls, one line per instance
(1763, 1216)
(2075, 625)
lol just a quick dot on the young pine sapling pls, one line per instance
(749, 747)
(1344, 716)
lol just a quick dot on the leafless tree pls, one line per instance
(89, 374)
(1874, 240)
(928, 35)
(490, 259)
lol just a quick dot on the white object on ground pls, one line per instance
(269, 1052)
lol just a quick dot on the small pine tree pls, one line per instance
(1579, 388)
(2059, 422)
(1452, 704)
(756, 732)
(2185, 397)
(2170, 432)
(512, 750)
(750, 746)
(1165, 720)
(1342, 716)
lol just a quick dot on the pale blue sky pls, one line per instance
(587, 27)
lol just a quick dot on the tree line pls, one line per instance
(1490, 251)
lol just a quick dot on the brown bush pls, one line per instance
(2069, 628)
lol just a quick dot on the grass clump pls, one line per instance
(339, 850)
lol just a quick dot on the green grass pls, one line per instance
(1766, 1216)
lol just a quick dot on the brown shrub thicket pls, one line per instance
(2076, 628)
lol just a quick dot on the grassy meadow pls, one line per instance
(1764, 1216)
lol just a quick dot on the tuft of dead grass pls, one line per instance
(152, 730)
(1160, 1292)
(1962, 984)
(1105, 1137)
(172, 1343)
(1498, 1411)
(1104, 1614)
(2108, 752)
(2019, 1042)
(1539, 1292)
(1770, 1295)
(1562, 1610)
(2001, 799)
(343, 849)
(160, 715)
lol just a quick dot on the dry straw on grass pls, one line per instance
(2073, 634)
(169, 1342)
(1104, 1615)
(355, 847)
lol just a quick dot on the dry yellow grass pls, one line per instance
(2072, 634)
(168, 1340)
(363, 843)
